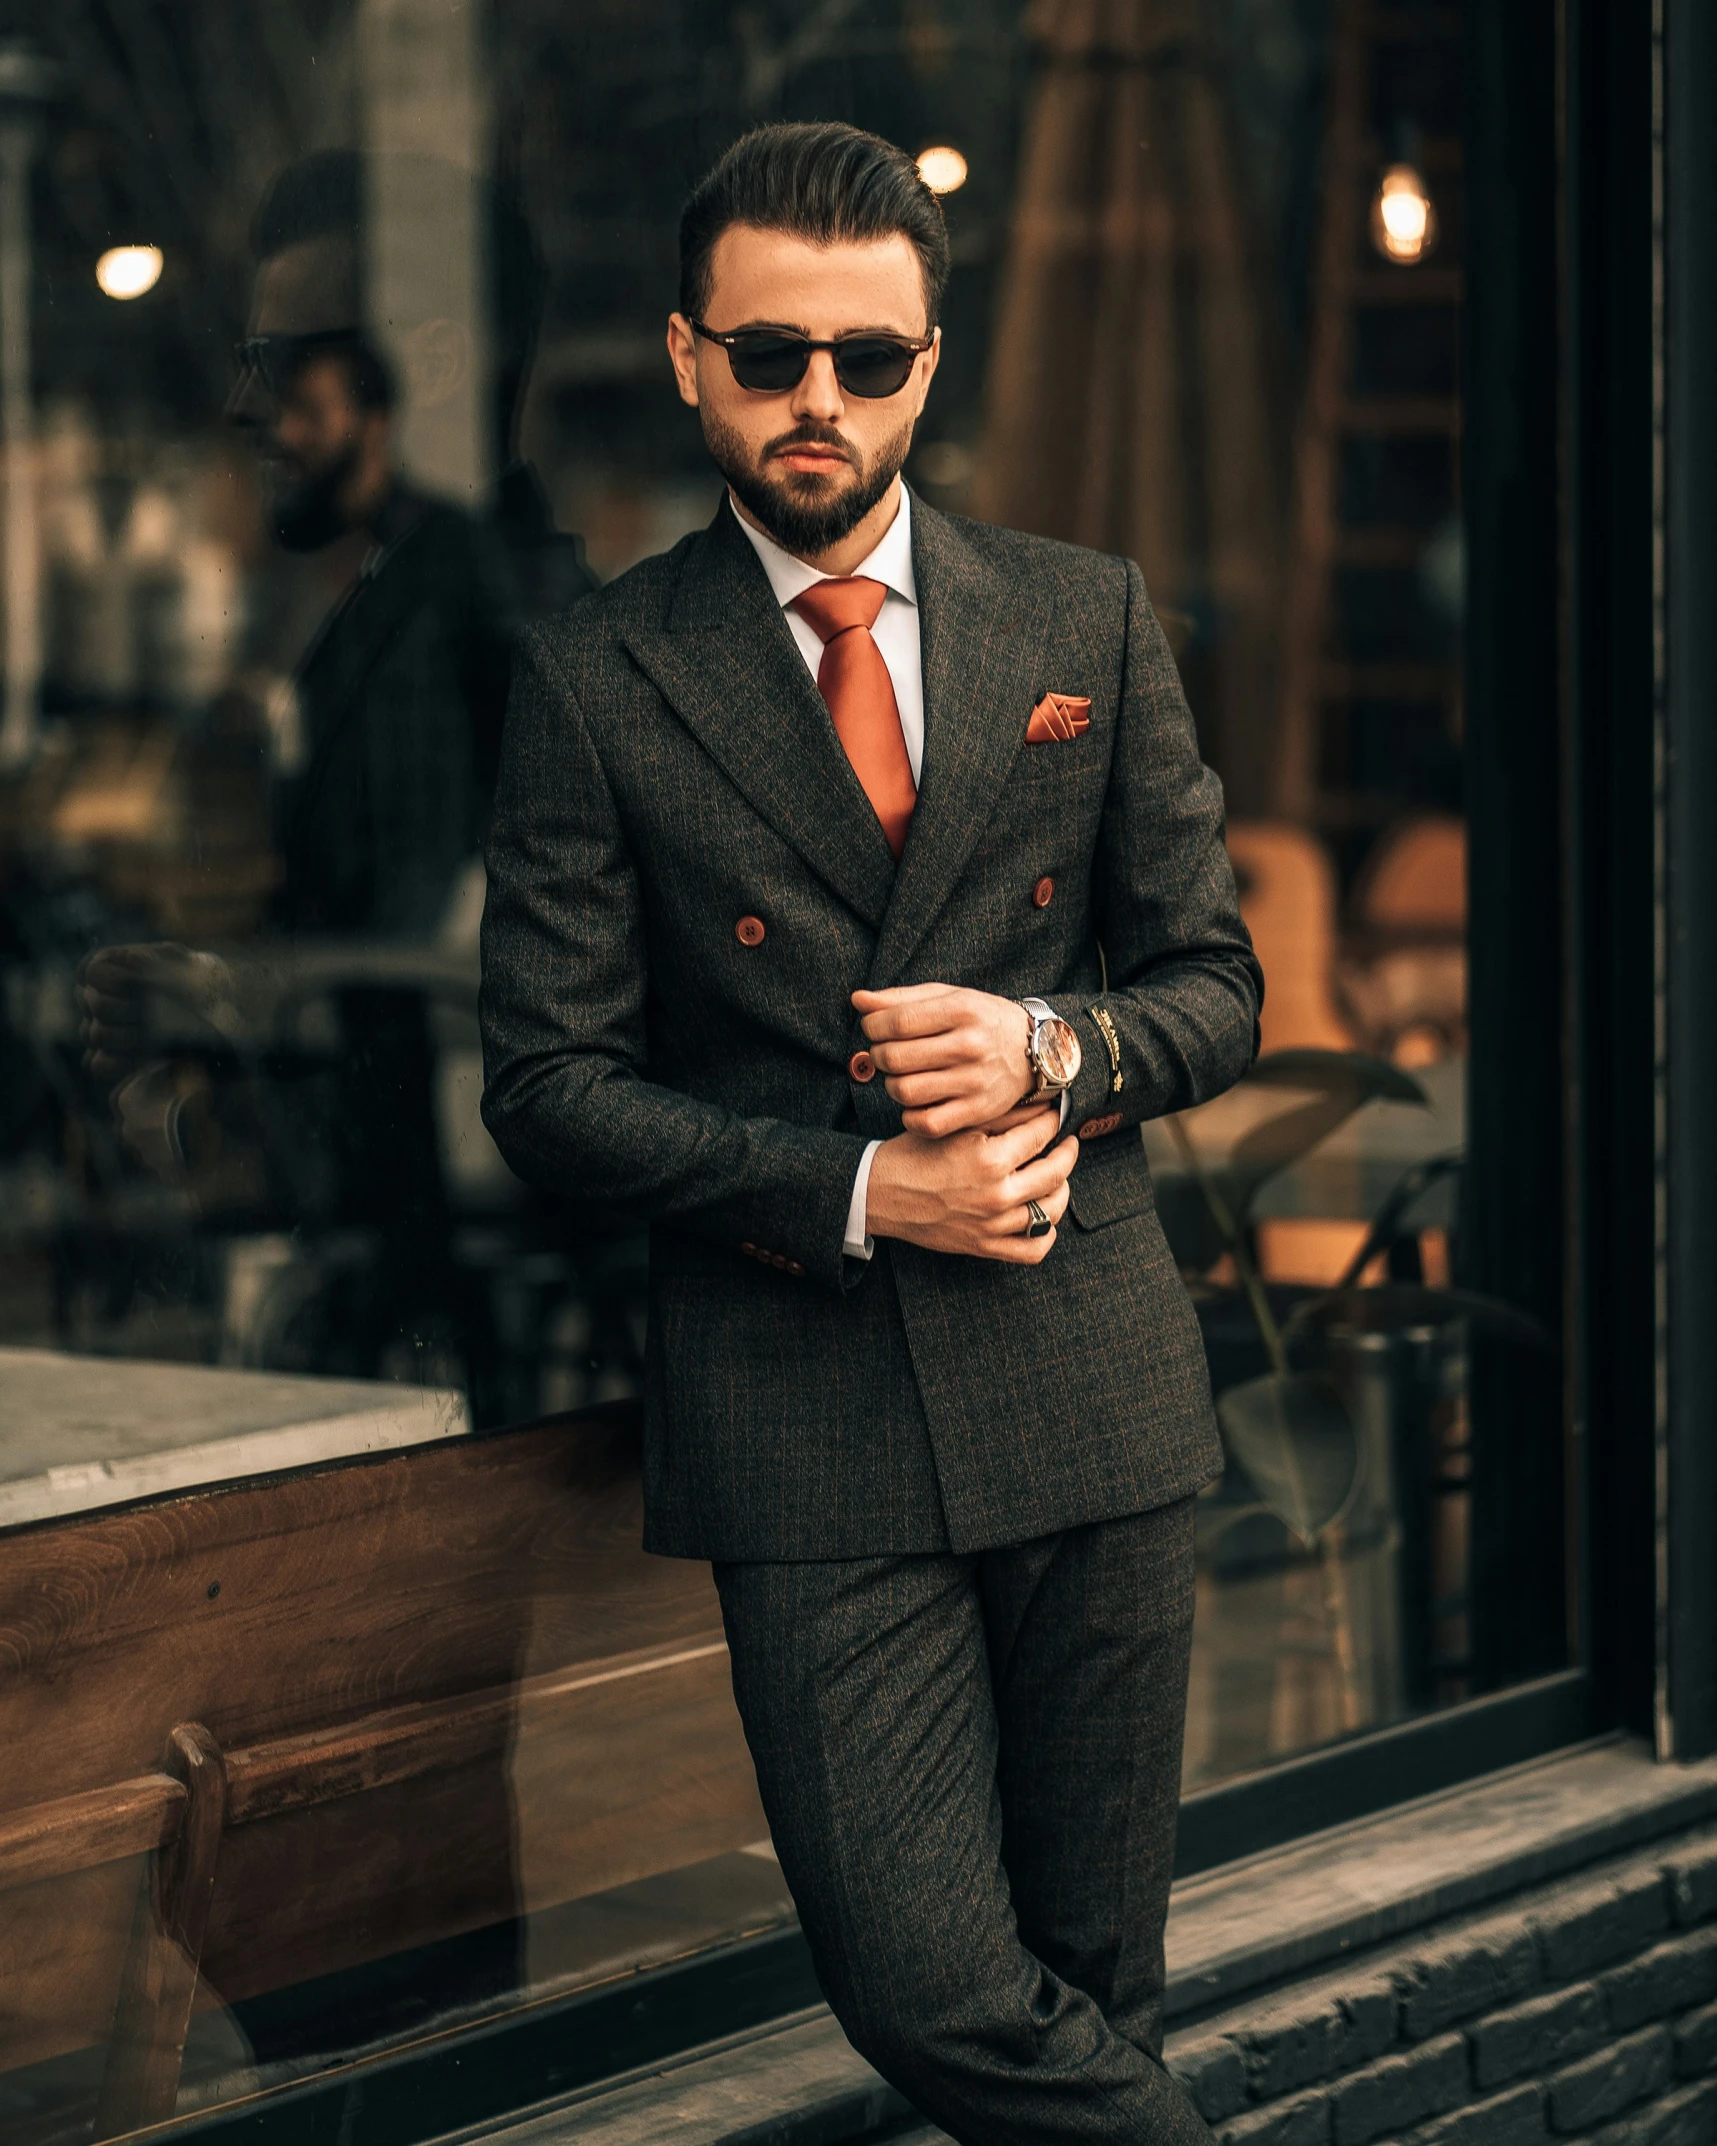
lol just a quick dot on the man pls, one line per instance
(384, 793)
(811, 843)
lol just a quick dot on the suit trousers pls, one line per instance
(971, 1769)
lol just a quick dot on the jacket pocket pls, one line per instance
(1108, 1187)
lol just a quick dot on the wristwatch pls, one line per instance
(1052, 1052)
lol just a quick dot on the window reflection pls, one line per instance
(1205, 311)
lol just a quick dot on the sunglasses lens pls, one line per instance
(768, 364)
(872, 367)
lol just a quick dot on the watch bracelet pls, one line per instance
(1111, 1043)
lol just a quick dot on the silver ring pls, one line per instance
(1040, 1225)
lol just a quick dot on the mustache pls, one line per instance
(809, 433)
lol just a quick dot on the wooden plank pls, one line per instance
(81, 1832)
(62, 1942)
(406, 1578)
(627, 1778)
(294, 1772)
(146, 2048)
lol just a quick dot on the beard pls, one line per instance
(304, 512)
(803, 510)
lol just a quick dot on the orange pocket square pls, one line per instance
(1058, 715)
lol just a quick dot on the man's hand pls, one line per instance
(115, 984)
(953, 1059)
(968, 1193)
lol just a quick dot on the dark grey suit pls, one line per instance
(897, 1468)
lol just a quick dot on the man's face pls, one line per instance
(811, 462)
(314, 437)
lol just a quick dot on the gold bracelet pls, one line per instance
(1100, 1014)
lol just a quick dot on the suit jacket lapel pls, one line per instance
(981, 635)
(726, 662)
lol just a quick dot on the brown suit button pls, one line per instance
(750, 1250)
(1044, 892)
(749, 931)
(860, 1067)
(793, 1267)
(1095, 1128)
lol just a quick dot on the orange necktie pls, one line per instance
(854, 680)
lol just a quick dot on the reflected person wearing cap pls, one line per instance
(811, 841)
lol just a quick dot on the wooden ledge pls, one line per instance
(103, 1825)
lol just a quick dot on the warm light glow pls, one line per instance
(129, 271)
(942, 169)
(1403, 222)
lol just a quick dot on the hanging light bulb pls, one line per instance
(129, 271)
(942, 169)
(1403, 222)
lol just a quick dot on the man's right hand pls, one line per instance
(968, 1192)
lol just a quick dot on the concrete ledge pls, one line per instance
(1242, 1928)
(1250, 1923)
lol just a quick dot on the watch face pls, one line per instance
(1057, 1052)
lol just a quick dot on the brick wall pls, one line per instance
(1583, 2010)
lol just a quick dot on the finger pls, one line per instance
(1010, 1118)
(1037, 1180)
(949, 1084)
(924, 1017)
(1028, 1138)
(971, 1112)
(1019, 1250)
(898, 994)
(924, 1054)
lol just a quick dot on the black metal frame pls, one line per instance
(1687, 1511)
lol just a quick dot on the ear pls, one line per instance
(683, 356)
(435, 357)
(928, 362)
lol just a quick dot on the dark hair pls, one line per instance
(827, 183)
(322, 196)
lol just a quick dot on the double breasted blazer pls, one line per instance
(670, 782)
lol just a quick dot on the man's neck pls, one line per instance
(853, 549)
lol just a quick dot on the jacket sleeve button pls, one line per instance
(1044, 892)
(793, 1267)
(749, 931)
(859, 1065)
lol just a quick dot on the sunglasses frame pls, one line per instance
(915, 345)
(249, 355)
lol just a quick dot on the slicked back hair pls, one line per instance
(825, 183)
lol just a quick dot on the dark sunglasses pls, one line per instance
(769, 361)
(275, 359)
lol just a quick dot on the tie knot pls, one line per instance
(831, 607)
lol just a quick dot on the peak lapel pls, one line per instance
(981, 633)
(728, 666)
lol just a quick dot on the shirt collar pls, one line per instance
(890, 562)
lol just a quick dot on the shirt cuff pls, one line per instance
(1044, 1012)
(858, 1245)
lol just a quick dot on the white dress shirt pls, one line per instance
(897, 638)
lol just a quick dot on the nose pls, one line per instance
(819, 393)
(248, 402)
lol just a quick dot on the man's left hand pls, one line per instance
(955, 1060)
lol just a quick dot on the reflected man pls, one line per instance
(401, 692)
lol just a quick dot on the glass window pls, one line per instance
(324, 325)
